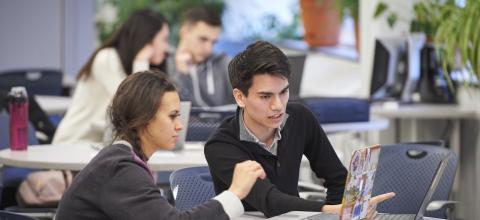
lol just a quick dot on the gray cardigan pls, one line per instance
(206, 84)
(116, 184)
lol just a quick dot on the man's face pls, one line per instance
(199, 39)
(265, 105)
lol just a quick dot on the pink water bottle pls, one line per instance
(18, 107)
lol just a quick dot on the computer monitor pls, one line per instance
(415, 44)
(297, 62)
(389, 68)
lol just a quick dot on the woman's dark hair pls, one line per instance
(260, 57)
(135, 103)
(137, 31)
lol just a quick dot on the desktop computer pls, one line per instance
(405, 66)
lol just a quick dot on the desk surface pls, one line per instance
(76, 157)
(288, 216)
(421, 111)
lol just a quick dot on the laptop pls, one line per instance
(358, 210)
(184, 117)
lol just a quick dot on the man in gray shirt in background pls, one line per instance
(200, 75)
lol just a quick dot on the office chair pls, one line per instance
(11, 177)
(203, 122)
(37, 81)
(407, 170)
(191, 186)
(4, 215)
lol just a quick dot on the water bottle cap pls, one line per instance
(18, 93)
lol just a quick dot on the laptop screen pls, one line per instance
(184, 116)
(359, 184)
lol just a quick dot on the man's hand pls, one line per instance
(372, 205)
(245, 175)
(335, 209)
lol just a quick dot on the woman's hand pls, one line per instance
(245, 175)
(145, 53)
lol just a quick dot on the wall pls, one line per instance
(46, 34)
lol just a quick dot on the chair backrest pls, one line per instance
(4, 215)
(407, 170)
(37, 81)
(191, 187)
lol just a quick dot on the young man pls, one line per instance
(275, 134)
(200, 75)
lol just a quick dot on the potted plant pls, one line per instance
(321, 22)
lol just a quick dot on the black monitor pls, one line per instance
(297, 62)
(389, 68)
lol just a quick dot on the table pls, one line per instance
(54, 105)
(76, 157)
(288, 216)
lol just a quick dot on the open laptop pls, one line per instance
(418, 216)
(184, 117)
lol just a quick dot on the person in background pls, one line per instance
(140, 42)
(276, 135)
(118, 184)
(200, 75)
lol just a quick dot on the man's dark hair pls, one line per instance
(260, 57)
(202, 13)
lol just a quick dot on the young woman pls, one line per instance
(117, 183)
(140, 42)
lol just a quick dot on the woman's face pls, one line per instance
(161, 132)
(160, 45)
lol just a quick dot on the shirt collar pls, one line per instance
(247, 135)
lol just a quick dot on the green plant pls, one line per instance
(351, 7)
(171, 9)
(459, 36)
(453, 28)
(427, 15)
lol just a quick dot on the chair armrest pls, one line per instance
(439, 204)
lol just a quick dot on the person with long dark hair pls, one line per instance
(141, 42)
(118, 184)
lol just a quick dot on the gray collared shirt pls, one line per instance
(247, 135)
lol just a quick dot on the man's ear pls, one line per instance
(239, 97)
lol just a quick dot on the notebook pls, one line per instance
(184, 117)
(358, 190)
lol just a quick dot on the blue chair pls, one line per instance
(4, 215)
(11, 177)
(37, 81)
(191, 187)
(407, 170)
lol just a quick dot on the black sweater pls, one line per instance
(117, 185)
(278, 193)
